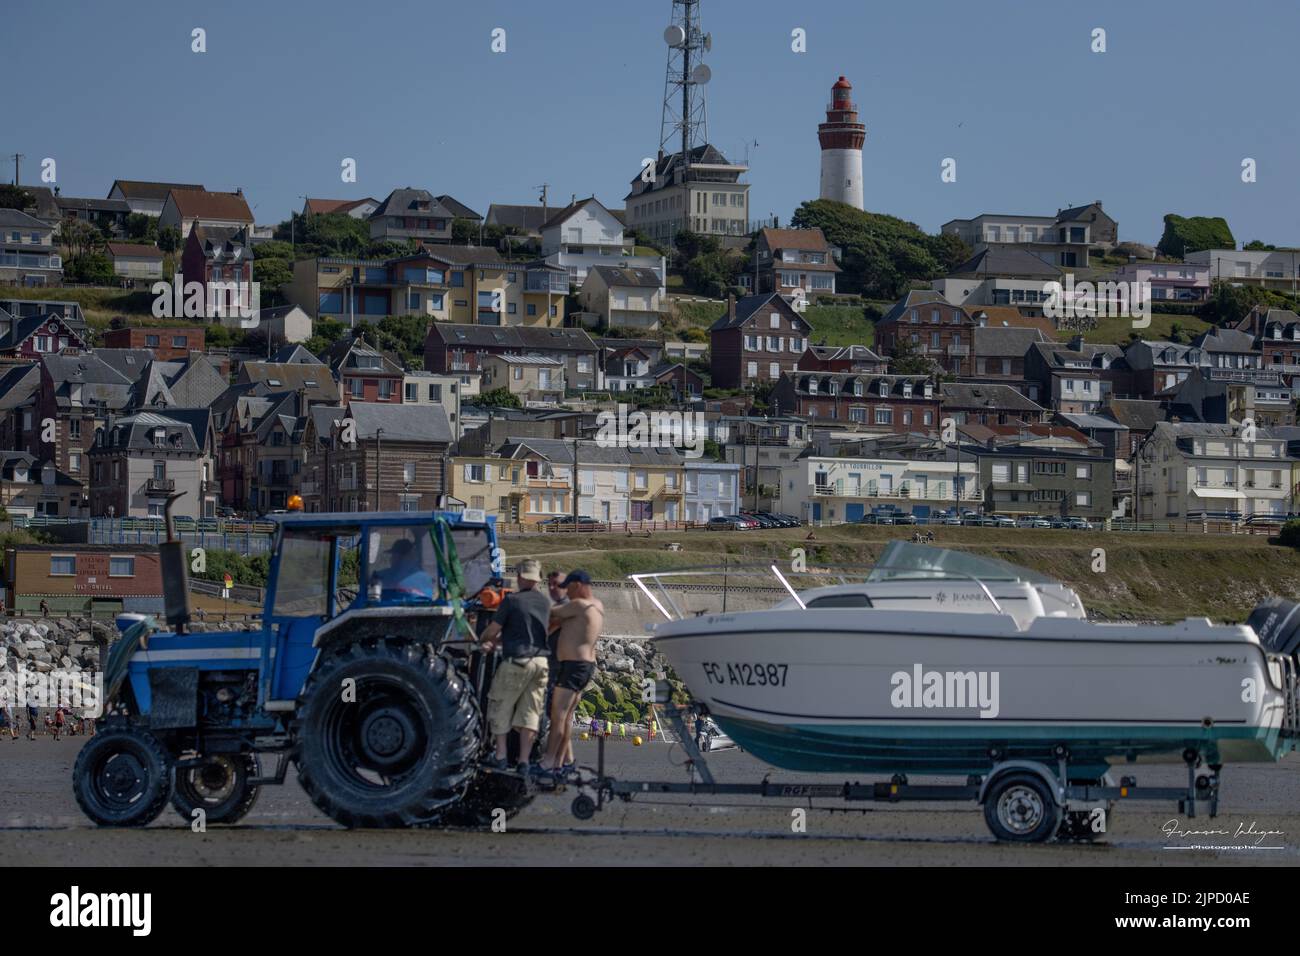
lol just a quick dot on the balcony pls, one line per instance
(310, 488)
(960, 351)
(159, 486)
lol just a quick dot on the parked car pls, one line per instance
(904, 517)
(764, 519)
(714, 739)
(566, 523)
(1032, 521)
(725, 523)
(1078, 524)
(874, 517)
(1000, 521)
(948, 517)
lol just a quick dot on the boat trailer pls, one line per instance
(1023, 800)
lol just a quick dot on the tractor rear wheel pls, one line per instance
(122, 777)
(386, 734)
(219, 787)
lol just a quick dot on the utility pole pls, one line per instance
(18, 158)
(379, 433)
(573, 478)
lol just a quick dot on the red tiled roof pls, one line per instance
(134, 250)
(201, 204)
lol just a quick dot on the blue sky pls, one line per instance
(287, 89)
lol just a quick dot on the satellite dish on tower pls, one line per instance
(674, 36)
(701, 74)
(708, 42)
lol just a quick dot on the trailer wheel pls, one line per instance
(219, 787)
(583, 807)
(386, 734)
(122, 777)
(1020, 808)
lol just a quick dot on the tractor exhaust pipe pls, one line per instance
(175, 572)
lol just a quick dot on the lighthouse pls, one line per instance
(841, 138)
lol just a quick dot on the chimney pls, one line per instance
(731, 307)
(1076, 343)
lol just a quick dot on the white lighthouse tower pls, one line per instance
(842, 137)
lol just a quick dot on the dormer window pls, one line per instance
(812, 386)
(907, 389)
(884, 389)
(160, 437)
(857, 388)
(929, 390)
(831, 387)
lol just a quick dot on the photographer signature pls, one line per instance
(1245, 832)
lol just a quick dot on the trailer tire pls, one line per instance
(396, 747)
(583, 807)
(225, 800)
(122, 777)
(1021, 808)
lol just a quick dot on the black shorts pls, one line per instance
(575, 675)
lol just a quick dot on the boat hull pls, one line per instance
(875, 691)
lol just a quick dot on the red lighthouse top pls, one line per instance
(842, 129)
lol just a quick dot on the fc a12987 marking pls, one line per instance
(745, 674)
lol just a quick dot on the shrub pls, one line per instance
(1290, 534)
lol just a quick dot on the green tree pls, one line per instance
(141, 228)
(169, 239)
(15, 197)
(880, 255)
(906, 360)
(499, 398)
(1194, 234)
(93, 268)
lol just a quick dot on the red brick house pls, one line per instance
(790, 259)
(221, 254)
(891, 403)
(364, 373)
(168, 344)
(759, 339)
(37, 335)
(935, 328)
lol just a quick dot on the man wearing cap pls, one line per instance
(405, 577)
(579, 621)
(518, 693)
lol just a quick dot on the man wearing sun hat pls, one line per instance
(518, 694)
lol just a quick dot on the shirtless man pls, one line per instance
(579, 621)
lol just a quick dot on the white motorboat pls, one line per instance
(949, 663)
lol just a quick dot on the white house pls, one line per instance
(712, 489)
(835, 490)
(1193, 470)
(585, 234)
(625, 298)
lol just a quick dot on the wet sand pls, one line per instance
(41, 825)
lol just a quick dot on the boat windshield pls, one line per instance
(902, 559)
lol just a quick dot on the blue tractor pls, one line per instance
(364, 674)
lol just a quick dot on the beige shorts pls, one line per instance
(518, 695)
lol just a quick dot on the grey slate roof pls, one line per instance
(135, 432)
(405, 423)
(914, 298)
(18, 384)
(516, 338)
(1005, 342)
(402, 202)
(560, 451)
(750, 304)
(965, 395)
(458, 208)
(638, 278)
(15, 219)
(1136, 414)
(1001, 260)
(527, 219)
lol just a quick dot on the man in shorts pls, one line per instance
(579, 621)
(518, 693)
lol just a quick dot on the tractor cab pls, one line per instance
(334, 573)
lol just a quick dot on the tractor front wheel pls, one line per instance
(386, 734)
(122, 777)
(219, 787)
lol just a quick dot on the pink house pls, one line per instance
(1170, 281)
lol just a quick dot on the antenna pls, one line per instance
(683, 111)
